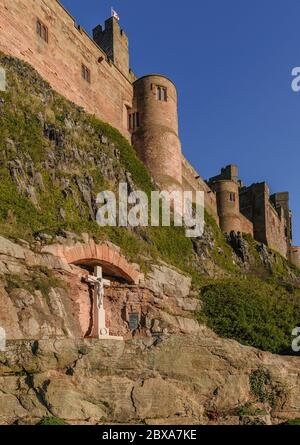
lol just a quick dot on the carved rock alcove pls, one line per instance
(82, 259)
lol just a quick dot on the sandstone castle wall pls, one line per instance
(192, 181)
(270, 225)
(60, 60)
(251, 210)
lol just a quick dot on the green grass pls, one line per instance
(222, 254)
(39, 279)
(251, 311)
(293, 422)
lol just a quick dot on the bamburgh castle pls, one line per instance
(95, 74)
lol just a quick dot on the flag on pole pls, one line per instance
(114, 14)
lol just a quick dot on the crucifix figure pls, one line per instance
(99, 323)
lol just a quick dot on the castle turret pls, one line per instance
(294, 256)
(154, 126)
(228, 205)
(113, 40)
(226, 186)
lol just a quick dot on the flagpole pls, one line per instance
(114, 14)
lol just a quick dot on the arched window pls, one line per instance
(134, 121)
(161, 93)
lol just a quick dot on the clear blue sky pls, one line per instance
(232, 62)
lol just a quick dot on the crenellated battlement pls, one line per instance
(114, 41)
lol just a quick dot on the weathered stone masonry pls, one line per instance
(252, 210)
(95, 74)
(60, 60)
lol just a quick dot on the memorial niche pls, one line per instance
(96, 316)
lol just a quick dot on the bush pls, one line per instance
(52, 421)
(252, 312)
(249, 410)
(262, 387)
(293, 422)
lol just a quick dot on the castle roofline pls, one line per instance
(155, 74)
(80, 29)
(65, 9)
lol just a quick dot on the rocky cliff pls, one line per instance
(180, 380)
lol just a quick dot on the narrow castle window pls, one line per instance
(134, 121)
(86, 73)
(162, 93)
(232, 197)
(42, 30)
(137, 120)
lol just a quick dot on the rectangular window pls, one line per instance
(86, 74)
(162, 93)
(232, 197)
(129, 121)
(134, 121)
(42, 30)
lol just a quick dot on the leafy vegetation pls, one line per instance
(262, 387)
(222, 253)
(293, 422)
(250, 410)
(39, 279)
(52, 421)
(252, 312)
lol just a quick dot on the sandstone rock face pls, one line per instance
(198, 379)
(165, 280)
(168, 370)
(33, 306)
(13, 256)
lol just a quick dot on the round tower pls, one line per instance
(154, 126)
(295, 256)
(227, 192)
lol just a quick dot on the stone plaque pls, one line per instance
(2, 79)
(133, 321)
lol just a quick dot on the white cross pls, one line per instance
(99, 324)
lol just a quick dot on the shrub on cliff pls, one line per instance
(253, 312)
(52, 421)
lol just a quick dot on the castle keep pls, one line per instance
(95, 73)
